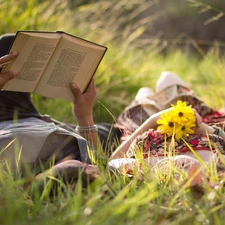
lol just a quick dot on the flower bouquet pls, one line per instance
(178, 121)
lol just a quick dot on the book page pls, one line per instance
(43, 34)
(31, 62)
(82, 41)
(71, 62)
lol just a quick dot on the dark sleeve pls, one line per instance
(16, 105)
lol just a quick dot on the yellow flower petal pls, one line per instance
(178, 121)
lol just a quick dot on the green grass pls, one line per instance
(157, 197)
(138, 68)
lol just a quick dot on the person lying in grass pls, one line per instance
(29, 138)
(156, 134)
(41, 141)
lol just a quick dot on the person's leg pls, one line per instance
(170, 88)
(168, 79)
(146, 102)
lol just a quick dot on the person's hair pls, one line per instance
(5, 43)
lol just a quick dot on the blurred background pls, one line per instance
(144, 38)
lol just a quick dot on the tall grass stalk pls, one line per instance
(205, 7)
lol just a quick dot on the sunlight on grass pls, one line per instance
(158, 195)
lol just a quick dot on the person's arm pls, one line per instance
(150, 123)
(203, 128)
(5, 77)
(206, 129)
(82, 110)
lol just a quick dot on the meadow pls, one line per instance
(133, 60)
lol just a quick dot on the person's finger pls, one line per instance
(91, 87)
(6, 58)
(198, 118)
(75, 89)
(5, 77)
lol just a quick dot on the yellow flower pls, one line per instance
(178, 121)
(183, 131)
(167, 126)
(182, 113)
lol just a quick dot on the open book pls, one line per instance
(49, 61)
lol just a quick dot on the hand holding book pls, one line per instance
(8, 75)
(49, 61)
